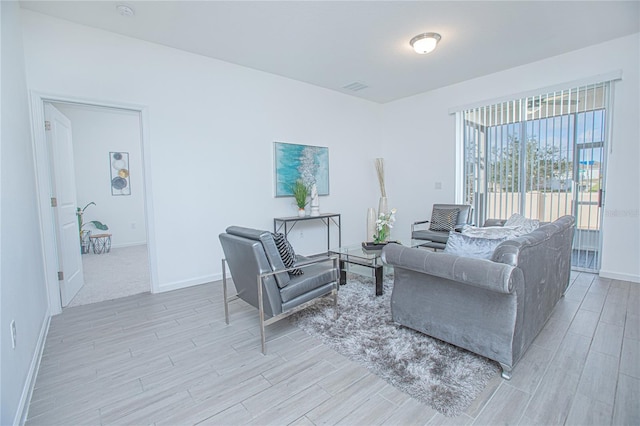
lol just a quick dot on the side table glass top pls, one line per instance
(358, 254)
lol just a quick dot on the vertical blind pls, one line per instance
(542, 156)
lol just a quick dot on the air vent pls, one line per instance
(356, 86)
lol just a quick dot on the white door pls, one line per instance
(60, 145)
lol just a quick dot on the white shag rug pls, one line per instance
(441, 375)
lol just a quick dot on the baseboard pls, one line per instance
(619, 276)
(176, 285)
(23, 408)
(142, 243)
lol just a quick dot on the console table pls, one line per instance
(327, 218)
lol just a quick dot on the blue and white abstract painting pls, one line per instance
(306, 162)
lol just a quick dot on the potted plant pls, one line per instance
(85, 234)
(300, 193)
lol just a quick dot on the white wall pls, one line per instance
(212, 126)
(96, 133)
(427, 134)
(23, 296)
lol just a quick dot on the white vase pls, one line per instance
(314, 203)
(371, 223)
(382, 206)
(301, 213)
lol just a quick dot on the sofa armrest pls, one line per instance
(481, 273)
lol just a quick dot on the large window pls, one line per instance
(541, 156)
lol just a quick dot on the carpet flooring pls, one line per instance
(441, 375)
(124, 271)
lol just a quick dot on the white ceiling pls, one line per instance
(334, 43)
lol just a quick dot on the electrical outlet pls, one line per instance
(13, 334)
(438, 185)
(133, 225)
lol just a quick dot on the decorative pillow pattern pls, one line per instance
(286, 253)
(463, 245)
(522, 224)
(490, 232)
(444, 219)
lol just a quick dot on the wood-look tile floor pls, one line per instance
(170, 359)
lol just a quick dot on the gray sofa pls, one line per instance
(495, 307)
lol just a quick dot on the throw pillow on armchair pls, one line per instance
(444, 219)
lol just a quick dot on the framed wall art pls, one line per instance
(120, 184)
(306, 162)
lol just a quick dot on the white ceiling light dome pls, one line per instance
(425, 42)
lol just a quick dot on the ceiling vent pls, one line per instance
(356, 86)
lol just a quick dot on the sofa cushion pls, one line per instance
(522, 224)
(490, 232)
(287, 254)
(315, 276)
(466, 246)
(444, 219)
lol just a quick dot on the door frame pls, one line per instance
(43, 187)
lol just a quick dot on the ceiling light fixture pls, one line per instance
(125, 10)
(425, 43)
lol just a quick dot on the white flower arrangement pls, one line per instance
(383, 226)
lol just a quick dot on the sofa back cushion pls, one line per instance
(522, 224)
(467, 246)
(490, 232)
(546, 237)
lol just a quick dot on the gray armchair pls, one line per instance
(437, 239)
(261, 279)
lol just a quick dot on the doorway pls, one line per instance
(112, 204)
(104, 138)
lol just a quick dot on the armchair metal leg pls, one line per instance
(335, 292)
(224, 292)
(261, 311)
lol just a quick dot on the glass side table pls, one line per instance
(355, 254)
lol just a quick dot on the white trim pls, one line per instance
(606, 150)
(151, 223)
(618, 276)
(29, 384)
(176, 285)
(133, 244)
(459, 164)
(43, 194)
(599, 78)
(43, 180)
(609, 117)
